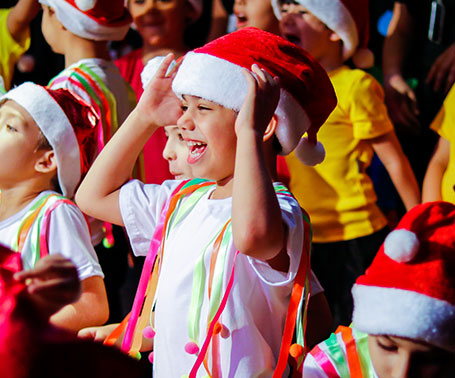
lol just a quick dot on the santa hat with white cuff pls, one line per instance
(214, 72)
(67, 122)
(349, 19)
(98, 20)
(409, 289)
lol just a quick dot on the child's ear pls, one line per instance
(47, 162)
(334, 37)
(271, 128)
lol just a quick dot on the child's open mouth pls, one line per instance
(292, 38)
(196, 150)
(241, 21)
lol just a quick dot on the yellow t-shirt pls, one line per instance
(444, 125)
(10, 50)
(338, 194)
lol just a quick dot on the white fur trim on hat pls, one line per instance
(220, 81)
(57, 129)
(84, 26)
(404, 313)
(401, 245)
(85, 5)
(336, 16)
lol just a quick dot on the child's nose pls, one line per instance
(168, 153)
(185, 122)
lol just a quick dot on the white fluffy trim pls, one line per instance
(338, 19)
(151, 67)
(84, 26)
(401, 245)
(309, 153)
(404, 313)
(57, 129)
(222, 82)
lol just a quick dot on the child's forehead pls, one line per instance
(13, 109)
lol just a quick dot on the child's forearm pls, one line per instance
(397, 165)
(431, 190)
(90, 310)
(98, 193)
(20, 17)
(257, 224)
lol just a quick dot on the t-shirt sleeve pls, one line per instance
(292, 218)
(141, 206)
(444, 121)
(69, 235)
(368, 112)
(10, 50)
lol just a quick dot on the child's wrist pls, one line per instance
(142, 121)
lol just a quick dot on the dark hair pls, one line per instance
(43, 144)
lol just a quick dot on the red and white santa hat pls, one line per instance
(214, 72)
(67, 122)
(99, 20)
(349, 19)
(409, 289)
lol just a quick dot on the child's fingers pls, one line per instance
(162, 69)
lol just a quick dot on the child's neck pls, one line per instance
(150, 51)
(84, 49)
(14, 199)
(333, 58)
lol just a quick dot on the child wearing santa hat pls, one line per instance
(162, 26)
(81, 30)
(338, 193)
(230, 250)
(47, 140)
(404, 306)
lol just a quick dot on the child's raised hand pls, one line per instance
(158, 104)
(260, 102)
(52, 283)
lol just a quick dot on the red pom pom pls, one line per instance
(151, 357)
(296, 350)
(217, 329)
(148, 332)
(191, 348)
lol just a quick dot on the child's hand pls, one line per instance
(52, 283)
(158, 104)
(260, 102)
(98, 334)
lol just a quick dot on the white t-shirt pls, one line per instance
(68, 235)
(257, 305)
(108, 72)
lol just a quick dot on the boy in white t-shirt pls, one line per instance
(217, 311)
(46, 137)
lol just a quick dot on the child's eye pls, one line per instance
(10, 128)
(388, 347)
(184, 108)
(139, 2)
(180, 137)
(204, 107)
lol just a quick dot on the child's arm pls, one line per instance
(431, 190)
(20, 17)
(389, 151)
(98, 195)
(257, 223)
(90, 310)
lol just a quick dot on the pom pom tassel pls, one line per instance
(309, 153)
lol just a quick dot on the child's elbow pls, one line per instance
(260, 245)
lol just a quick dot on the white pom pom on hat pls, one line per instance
(85, 5)
(401, 245)
(309, 153)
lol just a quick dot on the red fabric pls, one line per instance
(282, 168)
(84, 120)
(431, 272)
(111, 13)
(156, 167)
(360, 13)
(296, 69)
